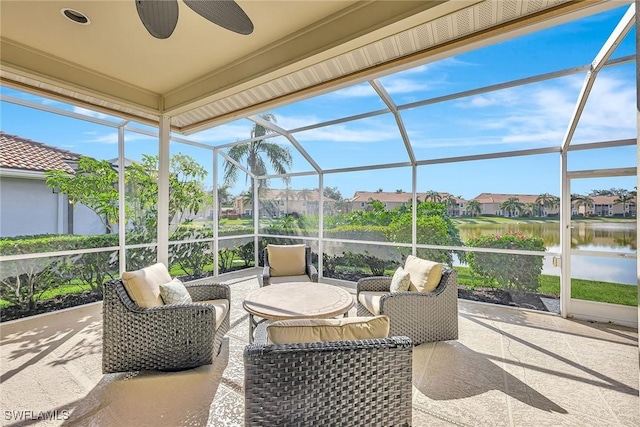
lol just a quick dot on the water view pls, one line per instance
(616, 237)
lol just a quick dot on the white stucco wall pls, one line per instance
(28, 207)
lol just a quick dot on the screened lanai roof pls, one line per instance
(204, 75)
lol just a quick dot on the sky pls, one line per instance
(524, 117)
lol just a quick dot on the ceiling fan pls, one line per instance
(160, 17)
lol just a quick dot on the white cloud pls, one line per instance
(91, 113)
(372, 132)
(539, 114)
(357, 91)
(224, 134)
(112, 138)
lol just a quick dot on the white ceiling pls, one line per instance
(205, 75)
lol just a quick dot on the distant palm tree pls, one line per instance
(544, 200)
(473, 207)
(432, 196)
(513, 206)
(624, 199)
(253, 154)
(451, 203)
(585, 201)
(530, 209)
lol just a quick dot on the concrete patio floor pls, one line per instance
(508, 368)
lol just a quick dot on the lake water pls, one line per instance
(594, 236)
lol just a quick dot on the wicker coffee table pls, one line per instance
(296, 300)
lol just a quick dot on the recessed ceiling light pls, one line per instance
(75, 16)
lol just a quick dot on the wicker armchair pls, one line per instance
(166, 338)
(341, 383)
(422, 316)
(310, 271)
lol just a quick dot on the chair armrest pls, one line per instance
(203, 291)
(312, 272)
(374, 284)
(266, 275)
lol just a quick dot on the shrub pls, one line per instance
(520, 272)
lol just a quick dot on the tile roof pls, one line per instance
(25, 154)
(392, 197)
(501, 198)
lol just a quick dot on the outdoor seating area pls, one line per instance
(508, 367)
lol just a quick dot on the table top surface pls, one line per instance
(298, 300)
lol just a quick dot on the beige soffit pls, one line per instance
(417, 35)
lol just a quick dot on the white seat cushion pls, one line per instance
(143, 286)
(222, 308)
(286, 279)
(317, 330)
(371, 300)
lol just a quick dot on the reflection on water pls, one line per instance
(593, 236)
(606, 236)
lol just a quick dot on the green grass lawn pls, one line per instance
(590, 290)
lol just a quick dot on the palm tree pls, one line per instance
(544, 200)
(473, 207)
(585, 201)
(450, 202)
(253, 156)
(432, 196)
(624, 199)
(530, 209)
(513, 206)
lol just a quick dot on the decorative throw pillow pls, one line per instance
(425, 275)
(143, 286)
(175, 292)
(400, 281)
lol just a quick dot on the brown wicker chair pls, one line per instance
(341, 383)
(310, 270)
(422, 316)
(166, 338)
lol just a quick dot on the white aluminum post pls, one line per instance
(216, 220)
(565, 237)
(163, 190)
(637, 18)
(414, 209)
(256, 222)
(320, 223)
(121, 201)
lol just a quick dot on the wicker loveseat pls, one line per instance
(166, 338)
(339, 383)
(422, 316)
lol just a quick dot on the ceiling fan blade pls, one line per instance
(225, 13)
(158, 16)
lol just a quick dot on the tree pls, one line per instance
(451, 203)
(585, 201)
(513, 206)
(432, 196)
(545, 200)
(253, 155)
(473, 207)
(623, 199)
(530, 209)
(186, 192)
(95, 185)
